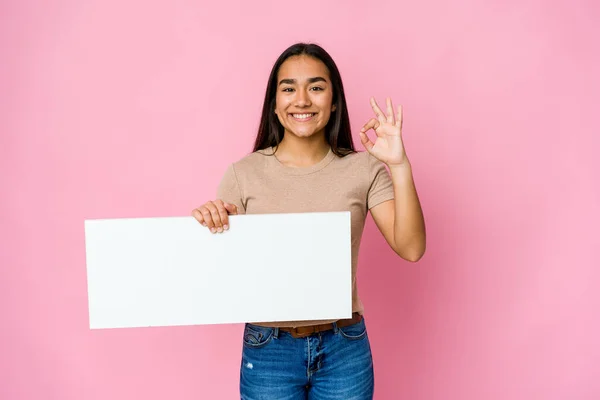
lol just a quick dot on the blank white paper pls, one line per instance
(172, 271)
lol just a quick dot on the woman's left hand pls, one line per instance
(388, 146)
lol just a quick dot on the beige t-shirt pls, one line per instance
(260, 184)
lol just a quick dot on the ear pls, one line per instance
(333, 108)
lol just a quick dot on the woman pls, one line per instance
(304, 161)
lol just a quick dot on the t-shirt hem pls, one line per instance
(379, 200)
(298, 324)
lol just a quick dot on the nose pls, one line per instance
(302, 99)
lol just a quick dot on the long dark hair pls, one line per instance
(337, 130)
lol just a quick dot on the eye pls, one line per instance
(288, 89)
(317, 88)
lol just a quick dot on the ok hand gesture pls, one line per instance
(388, 146)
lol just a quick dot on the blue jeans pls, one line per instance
(331, 365)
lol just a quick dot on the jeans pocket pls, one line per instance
(257, 336)
(355, 331)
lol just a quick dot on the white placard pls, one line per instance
(172, 271)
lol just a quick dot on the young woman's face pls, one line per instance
(304, 96)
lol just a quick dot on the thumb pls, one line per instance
(231, 208)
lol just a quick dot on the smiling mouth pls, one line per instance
(303, 117)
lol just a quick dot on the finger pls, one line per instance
(198, 215)
(399, 117)
(207, 217)
(222, 214)
(378, 112)
(231, 208)
(366, 141)
(372, 124)
(214, 213)
(390, 110)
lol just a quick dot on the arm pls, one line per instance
(400, 220)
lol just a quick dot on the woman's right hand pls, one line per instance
(214, 215)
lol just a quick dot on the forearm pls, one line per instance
(409, 224)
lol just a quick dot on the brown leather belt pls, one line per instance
(304, 331)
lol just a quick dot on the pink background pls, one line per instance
(134, 109)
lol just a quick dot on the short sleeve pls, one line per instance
(381, 187)
(229, 190)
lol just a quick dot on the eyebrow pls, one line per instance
(310, 80)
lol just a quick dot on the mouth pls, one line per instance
(302, 117)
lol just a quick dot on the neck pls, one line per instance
(302, 152)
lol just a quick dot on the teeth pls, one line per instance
(302, 116)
